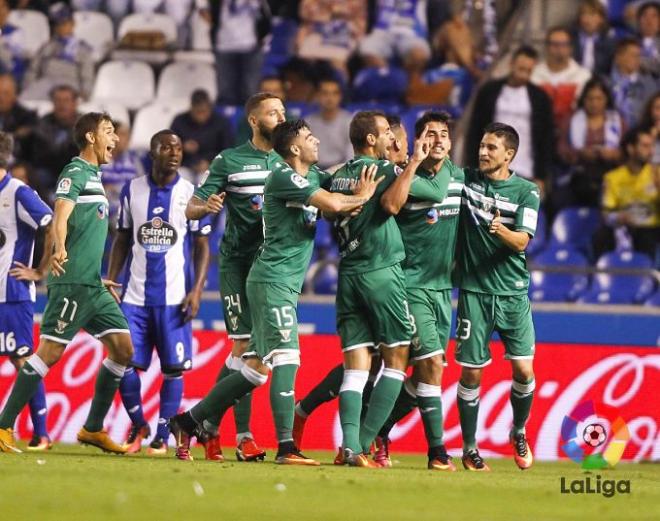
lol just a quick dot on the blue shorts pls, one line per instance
(161, 327)
(16, 328)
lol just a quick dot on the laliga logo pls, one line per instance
(583, 447)
(432, 216)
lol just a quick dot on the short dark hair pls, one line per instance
(394, 121)
(647, 5)
(256, 99)
(506, 132)
(526, 50)
(427, 117)
(557, 29)
(6, 149)
(631, 137)
(625, 42)
(285, 133)
(63, 87)
(200, 96)
(88, 122)
(155, 139)
(363, 124)
(596, 82)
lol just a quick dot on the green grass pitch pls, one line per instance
(75, 483)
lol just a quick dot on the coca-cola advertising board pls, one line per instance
(625, 379)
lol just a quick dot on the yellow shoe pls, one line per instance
(7, 441)
(101, 440)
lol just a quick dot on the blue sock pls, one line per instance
(171, 392)
(129, 389)
(38, 411)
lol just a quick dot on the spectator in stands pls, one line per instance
(400, 31)
(590, 143)
(203, 132)
(630, 86)
(648, 29)
(15, 118)
(12, 51)
(53, 146)
(65, 59)
(560, 75)
(330, 30)
(651, 121)
(125, 165)
(330, 124)
(518, 102)
(631, 199)
(274, 85)
(454, 38)
(237, 30)
(593, 48)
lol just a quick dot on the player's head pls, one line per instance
(437, 125)
(558, 45)
(628, 55)
(329, 94)
(399, 151)
(498, 147)
(637, 145)
(201, 106)
(294, 139)
(264, 111)
(61, 18)
(94, 133)
(648, 19)
(370, 134)
(65, 102)
(6, 149)
(166, 151)
(522, 65)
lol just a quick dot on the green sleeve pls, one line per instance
(527, 213)
(391, 171)
(287, 185)
(72, 181)
(432, 188)
(215, 181)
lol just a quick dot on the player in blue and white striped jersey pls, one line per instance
(167, 265)
(22, 215)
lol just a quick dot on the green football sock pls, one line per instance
(107, 383)
(282, 400)
(403, 406)
(522, 396)
(381, 404)
(26, 385)
(242, 408)
(326, 390)
(366, 395)
(350, 404)
(429, 401)
(468, 410)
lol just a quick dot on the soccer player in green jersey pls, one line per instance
(236, 179)
(429, 224)
(77, 297)
(497, 221)
(292, 198)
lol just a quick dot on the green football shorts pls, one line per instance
(480, 314)
(372, 309)
(430, 312)
(72, 307)
(235, 307)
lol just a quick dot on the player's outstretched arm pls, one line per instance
(201, 257)
(198, 208)
(118, 253)
(334, 203)
(517, 241)
(397, 194)
(63, 209)
(22, 272)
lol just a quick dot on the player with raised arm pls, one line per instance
(292, 198)
(498, 219)
(236, 179)
(77, 296)
(23, 215)
(164, 282)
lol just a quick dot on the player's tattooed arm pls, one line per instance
(63, 209)
(397, 194)
(335, 203)
(201, 256)
(198, 208)
(515, 240)
(22, 272)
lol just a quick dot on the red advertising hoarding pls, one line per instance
(624, 378)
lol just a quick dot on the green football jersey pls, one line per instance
(289, 227)
(370, 240)
(240, 172)
(429, 226)
(87, 227)
(485, 264)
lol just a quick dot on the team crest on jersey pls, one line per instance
(487, 206)
(299, 181)
(60, 326)
(64, 186)
(432, 216)
(102, 211)
(3, 238)
(157, 235)
(285, 334)
(257, 202)
(233, 321)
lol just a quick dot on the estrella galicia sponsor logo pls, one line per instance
(102, 211)
(157, 235)
(595, 439)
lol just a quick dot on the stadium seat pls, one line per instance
(387, 108)
(149, 120)
(574, 227)
(194, 56)
(149, 22)
(547, 286)
(179, 79)
(384, 84)
(233, 114)
(613, 288)
(40, 106)
(200, 33)
(537, 243)
(299, 110)
(278, 47)
(321, 278)
(97, 30)
(35, 26)
(653, 300)
(323, 238)
(131, 83)
(117, 110)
